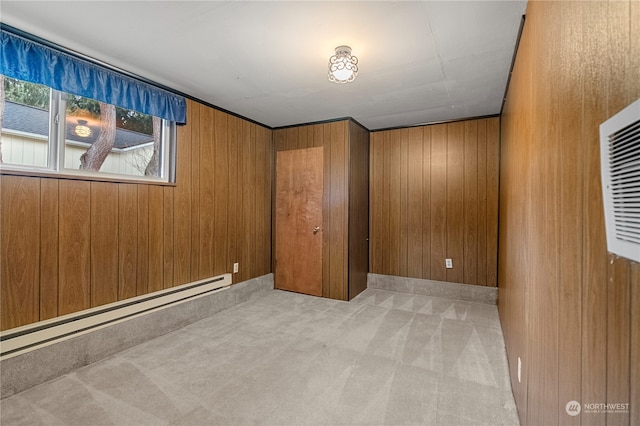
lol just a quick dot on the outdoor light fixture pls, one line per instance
(82, 129)
(343, 67)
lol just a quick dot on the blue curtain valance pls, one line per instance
(27, 60)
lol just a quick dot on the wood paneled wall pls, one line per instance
(358, 209)
(339, 143)
(68, 245)
(434, 195)
(569, 310)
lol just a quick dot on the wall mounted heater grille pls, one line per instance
(620, 164)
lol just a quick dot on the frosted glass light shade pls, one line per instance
(343, 67)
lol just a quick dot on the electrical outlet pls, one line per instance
(448, 263)
(236, 267)
(519, 370)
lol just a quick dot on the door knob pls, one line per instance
(316, 229)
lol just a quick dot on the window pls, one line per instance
(47, 130)
(64, 113)
(24, 118)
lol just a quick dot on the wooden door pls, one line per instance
(298, 233)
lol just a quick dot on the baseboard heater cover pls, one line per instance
(23, 339)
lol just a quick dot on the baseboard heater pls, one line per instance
(29, 337)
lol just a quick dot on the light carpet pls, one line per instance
(385, 358)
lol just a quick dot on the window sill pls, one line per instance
(84, 176)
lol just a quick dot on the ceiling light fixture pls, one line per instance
(343, 67)
(82, 129)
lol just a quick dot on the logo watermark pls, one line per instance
(573, 408)
(610, 407)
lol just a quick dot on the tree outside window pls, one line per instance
(100, 137)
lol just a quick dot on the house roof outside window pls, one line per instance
(35, 121)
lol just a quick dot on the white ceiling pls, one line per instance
(420, 61)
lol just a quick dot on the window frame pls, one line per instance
(56, 153)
